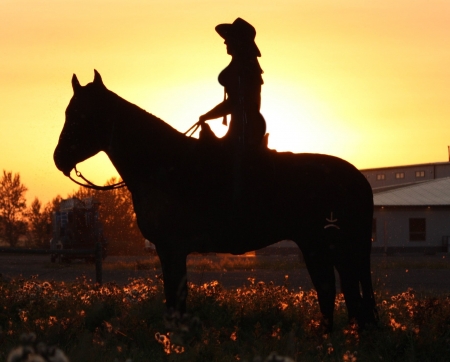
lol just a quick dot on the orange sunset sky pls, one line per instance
(368, 81)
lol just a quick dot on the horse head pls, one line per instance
(86, 127)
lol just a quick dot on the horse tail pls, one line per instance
(369, 309)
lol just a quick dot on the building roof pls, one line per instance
(377, 190)
(447, 163)
(429, 193)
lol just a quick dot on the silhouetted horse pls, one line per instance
(184, 194)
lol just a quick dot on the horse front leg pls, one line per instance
(173, 265)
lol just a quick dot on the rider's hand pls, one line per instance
(202, 119)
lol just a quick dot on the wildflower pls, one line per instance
(282, 305)
(330, 348)
(275, 357)
(276, 332)
(21, 354)
(59, 356)
(46, 285)
(52, 320)
(177, 349)
(23, 315)
(108, 326)
(349, 356)
(394, 324)
(165, 340)
(32, 352)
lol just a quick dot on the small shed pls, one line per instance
(414, 218)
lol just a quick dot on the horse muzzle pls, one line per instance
(62, 163)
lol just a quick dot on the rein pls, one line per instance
(91, 185)
(194, 127)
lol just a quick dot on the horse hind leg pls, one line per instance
(321, 271)
(354, 271)
(350, 289)
(369, 309)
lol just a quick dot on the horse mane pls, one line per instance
(144, 120)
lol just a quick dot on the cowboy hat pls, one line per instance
(239, 30)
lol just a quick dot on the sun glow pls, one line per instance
(295, 119)
(97, 169)
(366, 81)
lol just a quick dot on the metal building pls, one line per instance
(413, 218)
(384, 178)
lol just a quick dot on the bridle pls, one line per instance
(91, 185)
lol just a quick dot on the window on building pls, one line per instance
(374, 230)
(417, 229)
(420, 174)
(400, 175)
(380, 177)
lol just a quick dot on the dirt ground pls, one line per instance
(391, 274)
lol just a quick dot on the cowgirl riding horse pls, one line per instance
(242, 82)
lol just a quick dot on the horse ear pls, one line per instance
(98, 78)
(75, 84)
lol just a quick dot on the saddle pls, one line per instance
(207, 137)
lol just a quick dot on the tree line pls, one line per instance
(32, 224)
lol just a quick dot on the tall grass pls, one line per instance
(119, 323)
(291, 262)
(215, 263)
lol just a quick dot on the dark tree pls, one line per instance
(54, 204)
(118, 218)
(12, 208)
(39, 220)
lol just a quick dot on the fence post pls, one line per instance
(98, 263)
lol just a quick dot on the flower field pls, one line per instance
(120, 323)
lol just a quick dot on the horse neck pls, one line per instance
(140, 143)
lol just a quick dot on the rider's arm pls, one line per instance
(222, 109)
